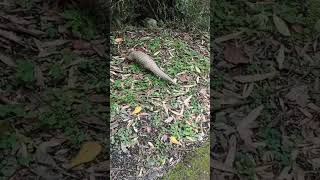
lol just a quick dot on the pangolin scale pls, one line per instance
(147, 62)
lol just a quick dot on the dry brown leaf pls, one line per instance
(221, 166)
(118, 40)
(81, 45)
(176, 113)
(169, 119)
(184, 77)
(232, 151)
(46, 173)
(54, 43)
(299, 173)
(11, 36)
(164, 137)
(265, 171)
(281, 56)
(299, 94)
(100, 50)
(228, 37)
(20, 29)
(285, 174)
(16, 19)
(235, 54)
(42, 156)
(314, 107)
(316, 86)
(315, 162)
(93, 120)
(186, 101)
(98, 98)
(244, 127)
(151, 145)
(306, 112)
(247, 90)
(39, 77)
(72, 78)
(102, 166)
(7, 60)
(254, 78)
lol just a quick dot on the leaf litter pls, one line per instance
(277, 121)
(42, 109)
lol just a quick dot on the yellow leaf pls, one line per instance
(87, 153)
(118, 40)
(137, 110)
(173, 140)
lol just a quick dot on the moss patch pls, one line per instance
(195, 166)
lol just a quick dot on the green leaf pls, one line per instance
(25, 71)
(317, 26)
(56, 71)
(281, 26)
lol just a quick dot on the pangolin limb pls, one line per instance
(147, 62)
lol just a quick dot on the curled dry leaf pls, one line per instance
(7, 60)
(247, 90)
(151, 145)
(169, 119)
(254, 78)
(299, 94)
(118, 40)
(42, 156)
(244, 127)
(184, 77)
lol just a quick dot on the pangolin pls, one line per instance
(147, 62)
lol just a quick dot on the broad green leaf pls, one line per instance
(281, 26)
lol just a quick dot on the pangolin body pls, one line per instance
(147, 62)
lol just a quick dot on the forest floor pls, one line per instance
(53, 111)
(153, 123)
(265, 90)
